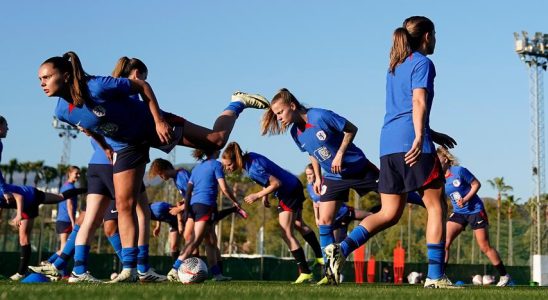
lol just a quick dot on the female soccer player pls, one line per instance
(289, 191)
(103, 107)
(161, 212)
(461, 187)
(26, 199)
(408, 159)
(66, 210)
(202, 190)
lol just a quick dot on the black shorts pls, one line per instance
(63, 227)
(396, 177)
(111, 213)
(344, 220)
(476, 221)
(203, 213)
(130, 158)
(339, 189)
(292, 202)
(100, 180)
(171, 220)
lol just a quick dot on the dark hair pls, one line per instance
(269, 122)
(408, 38)
(235, 154)
(70, 63)
(72, 168)
(125, 65)
(3, 120)
(201, 154)
(158, 166)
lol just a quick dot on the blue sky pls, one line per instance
(330, 54)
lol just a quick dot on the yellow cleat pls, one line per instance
(323, 281)
(303, 278)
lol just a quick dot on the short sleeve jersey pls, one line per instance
(322, 138)
(398, 132)
(259, 169)
(457, 185)
(181, 181)
(204, 178)
(62, 208)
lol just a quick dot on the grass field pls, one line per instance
(257, 291)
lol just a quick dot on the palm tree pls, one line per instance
(38, 172)
(61, 171)
(510, 202)
(498, 184)
(13, 166)
(4, 169)
(26, 167)
(50, 173)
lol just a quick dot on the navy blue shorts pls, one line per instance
(396, 177)
(344, 220)
(203, 213)
(171, 220)
(63, 227)
(111, 213)
(476, 221)
(130, 157)
(292, 202)
(31, 211)
(339, 189)
(100, 180)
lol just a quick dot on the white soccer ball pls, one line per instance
(477, 280)
(414, 278)
(488, 279)
(192, 270)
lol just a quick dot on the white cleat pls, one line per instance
(504, 280)
(151, 276)
(83, 278)
(221, 277)
(48, 270)
(16, 277)
(250, 100)
(440, 283)
(335, 262)
(127, 275)
(173, 276)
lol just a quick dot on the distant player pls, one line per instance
(461, 187)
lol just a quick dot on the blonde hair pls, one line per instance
(158, 166)
(269, 122)
(408, 38)
(125, 65)
(234, 153)
(451, 159)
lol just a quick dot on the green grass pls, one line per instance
(257, 291)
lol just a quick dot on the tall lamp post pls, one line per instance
(534, 53)
(66, 132)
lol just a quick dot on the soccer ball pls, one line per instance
(192, 270)
(477, 279)
(488, 279)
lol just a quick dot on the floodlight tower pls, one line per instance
(66, 132)
(534, 53)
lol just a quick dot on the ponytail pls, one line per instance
(201, 154)
(125, 65)
(233, 152)
(70, 63)
(408, 38)
(269, 121)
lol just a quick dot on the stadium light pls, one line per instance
(67, 132)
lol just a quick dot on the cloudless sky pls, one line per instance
(330, 54)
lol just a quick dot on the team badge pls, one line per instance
(323, 189)
(455, 196)
(321, 135)
(456, 183)
(108, 128)
(99, 111)
(322, 154)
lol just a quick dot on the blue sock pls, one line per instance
(129, 257)
(81, 253)
(326, 237)
(215, 270)
(436, 257)
(68, 250)
(177, 264)
(142, 259)
(236, 106)
(116, 244)
(53, 257)
(355, 239)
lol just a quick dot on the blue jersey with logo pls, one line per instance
(260, 168)
(111, 112)
(27, 192)
(398, 132)
(322, 138)
(181, 181)
(62, 209)
(204, 179)
(2, 180)
(457, 185)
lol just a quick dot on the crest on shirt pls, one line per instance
(322, 154)
(455, 196)
(323, 189)
(108, 128)
(456, 183)
(99, 111)
(321, 135)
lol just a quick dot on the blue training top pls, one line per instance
(62, 209)
(457, 185)
(398, 132)
(111, 112)
(322, 138)
(27, 192)
(159, 211)
(259, 169)
(181, 181)
(204, 178)
(99, 157)
(2, 180)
